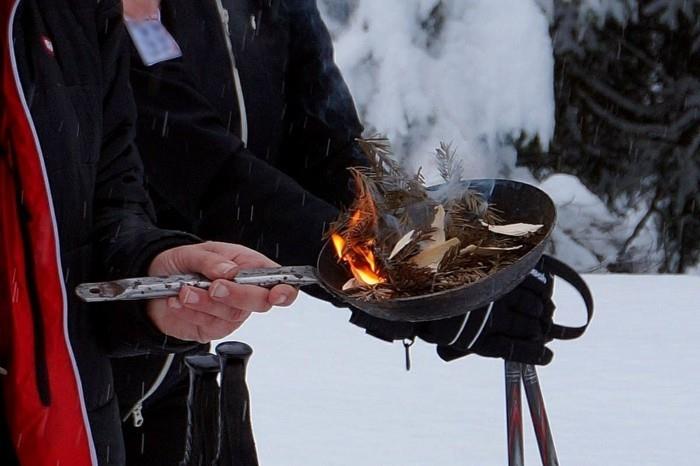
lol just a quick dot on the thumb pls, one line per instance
(193, 259)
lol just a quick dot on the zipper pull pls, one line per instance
(407, 343)
(137, 414)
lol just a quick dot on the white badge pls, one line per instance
(153, 42)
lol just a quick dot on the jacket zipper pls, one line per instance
(137, 410)
(223, 14)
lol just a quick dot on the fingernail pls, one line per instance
(280, 300)
(219, 291)
(225, 268)
(191, 297)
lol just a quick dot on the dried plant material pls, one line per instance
(449, 167)
(351, 284)
(433, 255)
(491, 251)
(493, 248)
(469, 249)
(402, 243)
(513, 229)
(471, 208)
(388, 175)
(386, 263)
(437, 235)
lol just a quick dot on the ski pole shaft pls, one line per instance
(236, 442)
(543, 432)
(514, 413)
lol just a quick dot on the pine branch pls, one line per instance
(449, 167)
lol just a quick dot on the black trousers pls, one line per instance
(160, 441)
(7, 450)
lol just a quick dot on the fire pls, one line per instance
(354, 242)
(339, 244)
(361, 260)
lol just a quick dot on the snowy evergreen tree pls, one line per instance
(627, 86)
(482, 75)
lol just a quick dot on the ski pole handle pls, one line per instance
(236, 441)
(202, 438)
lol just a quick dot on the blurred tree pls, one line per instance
(627, 89)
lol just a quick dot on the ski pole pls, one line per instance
(535, 401)
(236, 442)
(202, 437)
(514, 413)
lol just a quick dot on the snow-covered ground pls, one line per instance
(325, 394)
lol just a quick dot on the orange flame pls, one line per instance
(339, 244)
(354, 242)
(361, 260)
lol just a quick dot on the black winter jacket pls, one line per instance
(73, 66)
(276, 191)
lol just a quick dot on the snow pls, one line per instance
(479, 77)
(479, 74)
(589, 235)
(483, 76)
(324, 393)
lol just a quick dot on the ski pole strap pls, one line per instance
(566, 273)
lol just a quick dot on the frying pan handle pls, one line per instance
(269, 277)
(161, 287)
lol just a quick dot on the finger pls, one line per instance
(198, 300)
(538, 282)
(200, 326)
(528, 352)
(282, 295)
(174, 319)
(246, 297)
(515, 325)
(171, 320)
(191, 316)
(245, 257)
(217, 333)
(524, 302)
(197, 259)
(448, 354)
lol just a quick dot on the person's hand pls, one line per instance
(141, 9)
(205, 315)
(516, 327)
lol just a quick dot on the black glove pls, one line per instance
(515, 327)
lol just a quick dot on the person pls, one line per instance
(265, 168)
(246, 137)
(73, 209)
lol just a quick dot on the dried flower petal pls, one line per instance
(513, 229)
(468, 249)
(491, 251)
(438, 235)
(402, 243)
(432, 256)
(351, 284)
